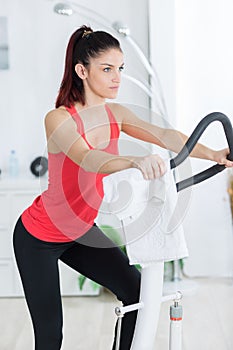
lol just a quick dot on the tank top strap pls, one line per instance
(74, 114)
(113, 123)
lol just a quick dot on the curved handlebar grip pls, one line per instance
(191, 142)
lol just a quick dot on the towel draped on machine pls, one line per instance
(147, 212)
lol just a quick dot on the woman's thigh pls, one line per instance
(99, 259)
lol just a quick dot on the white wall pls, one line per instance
(191, 48)
(37, 42)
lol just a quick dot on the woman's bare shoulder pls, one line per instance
(121, 112)
(56, 115)
(57, 118)
(118, 110)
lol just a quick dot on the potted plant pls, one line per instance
(230, 191)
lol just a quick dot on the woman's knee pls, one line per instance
(129, 293)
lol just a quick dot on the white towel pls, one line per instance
(146, 209)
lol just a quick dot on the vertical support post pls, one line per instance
(151, 297)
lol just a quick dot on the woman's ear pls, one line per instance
(81, 71)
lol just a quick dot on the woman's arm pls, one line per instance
(61, 130)
(167, 138)
(199, 151)
(62, 136)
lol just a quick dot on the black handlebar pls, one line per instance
(191, 142)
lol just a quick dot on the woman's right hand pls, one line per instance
(152, 166)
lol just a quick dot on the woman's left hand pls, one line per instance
(221, 157)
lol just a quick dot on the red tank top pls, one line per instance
(67, 209)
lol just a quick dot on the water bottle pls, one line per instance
(13, 164)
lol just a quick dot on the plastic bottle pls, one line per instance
(13, 164)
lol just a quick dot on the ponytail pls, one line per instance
(71, 88)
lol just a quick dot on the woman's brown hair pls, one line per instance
(84, 44)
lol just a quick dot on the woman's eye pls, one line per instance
(108, 69)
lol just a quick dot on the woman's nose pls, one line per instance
(116, 77)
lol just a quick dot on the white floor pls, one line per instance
(89, 321)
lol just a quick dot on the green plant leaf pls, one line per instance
(95, 286)
(81, 281)
(112, 234)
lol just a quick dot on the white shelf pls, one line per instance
(24, 182)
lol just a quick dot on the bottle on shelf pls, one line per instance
(13, 164)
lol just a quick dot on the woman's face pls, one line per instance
(103, 75)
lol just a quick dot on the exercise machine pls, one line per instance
(151, 291)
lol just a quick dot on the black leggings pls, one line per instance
(38, 266)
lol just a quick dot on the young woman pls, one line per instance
(82, 134)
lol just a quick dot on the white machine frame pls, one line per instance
(148, 311)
